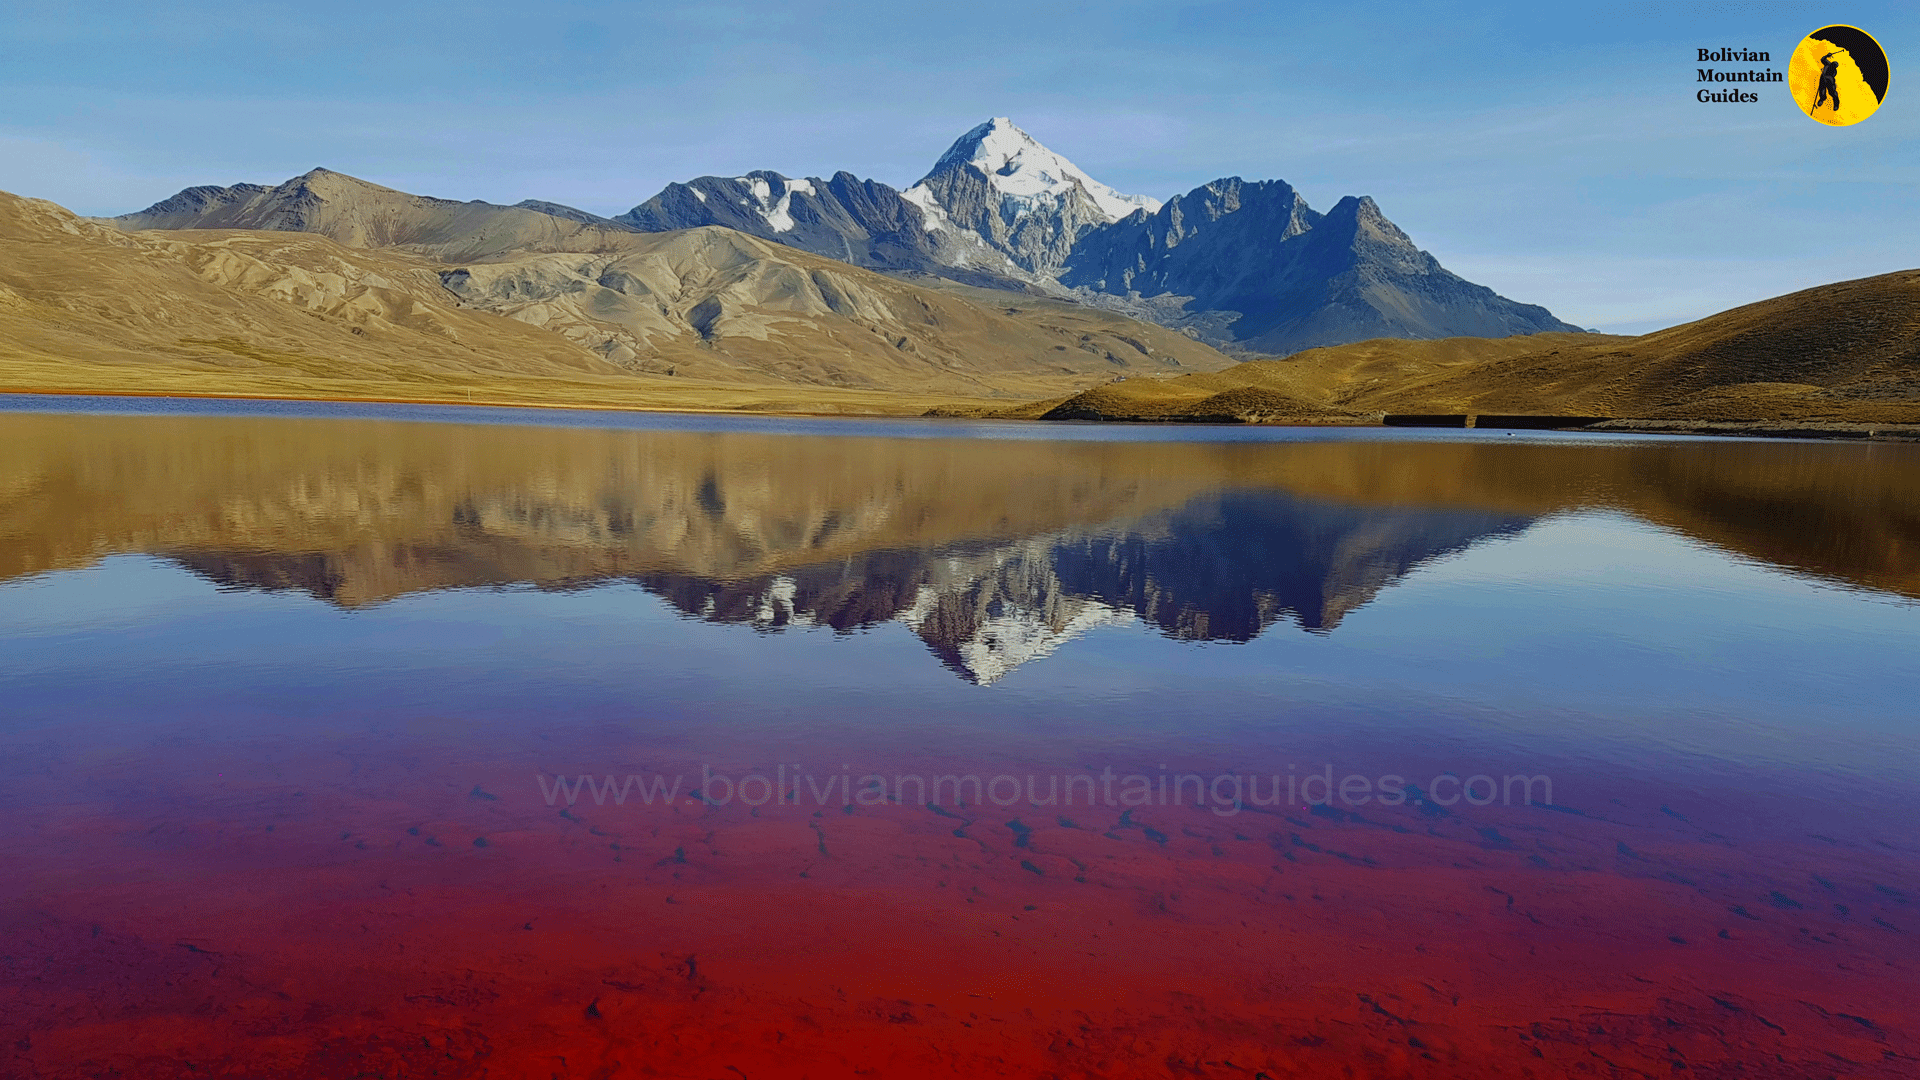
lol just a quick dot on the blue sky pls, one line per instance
(1558, 156)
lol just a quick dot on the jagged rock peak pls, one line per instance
(863, 222)
(1018, 166)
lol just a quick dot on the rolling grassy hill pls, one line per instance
(1843, 353)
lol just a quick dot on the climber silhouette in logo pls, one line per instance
(1829, 87)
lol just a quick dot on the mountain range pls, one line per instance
(1247, 267)
(1006, 282)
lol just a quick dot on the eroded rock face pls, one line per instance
(863, 222)
(1036, 234)
(710, 283)
(1181, 245)
(719, 304)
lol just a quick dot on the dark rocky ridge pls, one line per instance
(863, 222)
(1294, 278)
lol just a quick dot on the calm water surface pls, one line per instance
(918, 749)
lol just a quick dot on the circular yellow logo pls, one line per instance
(1838, 74)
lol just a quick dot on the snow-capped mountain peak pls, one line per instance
(1019, 167)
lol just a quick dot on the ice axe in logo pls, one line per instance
(1829, 80)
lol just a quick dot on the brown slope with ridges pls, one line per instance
(75, 291)
(275, 312)
(792, 316)
(357, 213)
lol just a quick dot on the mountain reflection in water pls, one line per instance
(1221, 568)
(992, 552)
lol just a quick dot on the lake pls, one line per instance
(412, 741)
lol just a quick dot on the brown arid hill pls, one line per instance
(1846, 351)
(1842, 353)
(355, 213)
(706, 318)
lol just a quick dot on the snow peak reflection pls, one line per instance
(1750, 75)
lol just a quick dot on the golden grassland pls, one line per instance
(312, 380)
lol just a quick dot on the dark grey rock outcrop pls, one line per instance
(1290, 278)
(863, 222)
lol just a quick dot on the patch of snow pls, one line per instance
(935, 214)
(804, 187)
(698, 194)
(772, 212)
(776, 608)
(1016, 635)
(777, 215)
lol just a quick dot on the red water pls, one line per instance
(320, 904)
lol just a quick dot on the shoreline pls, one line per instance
(12, 392)
(1824, 430)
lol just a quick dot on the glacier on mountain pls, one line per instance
(1029, 174)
